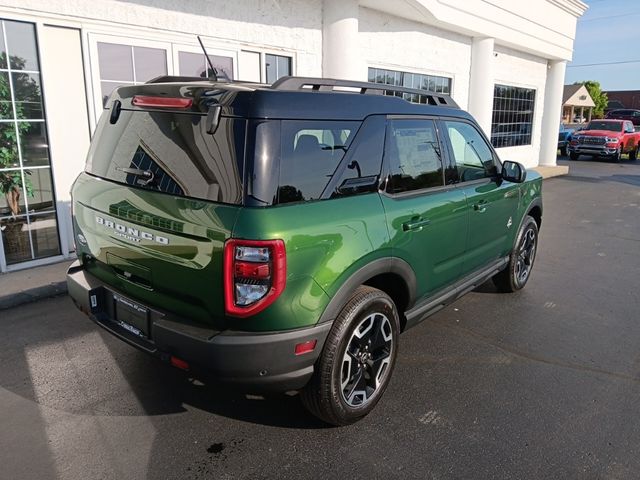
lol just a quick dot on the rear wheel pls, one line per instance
(633, 154)
(357, 360)
(518, 270)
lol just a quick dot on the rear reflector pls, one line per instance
(305, 347)
(179, 363)
(161, 102)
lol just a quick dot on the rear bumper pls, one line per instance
(253, 361)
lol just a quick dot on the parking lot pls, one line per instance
(540, 384)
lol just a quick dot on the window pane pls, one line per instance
(6, 108)
(33, 141)
(15, 238)
(311, 151)
(271, 66)
(473, 157)
(40, 190)
(107, 89)
(224, 65)
(26, 90)
(3, 49)
(115, 62)
(8, 145)
(44, 235)
(21, 44)
(284, 66)
(191, 64)
(12, 202)
(149, 63)
(413, 154)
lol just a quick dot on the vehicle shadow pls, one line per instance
(162, 389)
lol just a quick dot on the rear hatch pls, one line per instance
(158, 200)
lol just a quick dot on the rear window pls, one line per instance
(171, 153)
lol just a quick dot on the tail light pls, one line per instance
(161, 102)
(254, 275)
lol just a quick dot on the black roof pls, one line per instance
(293, 97)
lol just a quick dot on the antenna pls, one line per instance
(214, 71)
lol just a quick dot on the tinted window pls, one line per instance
(171, 153)
(472, 155)
(413, 155)
(311, 151)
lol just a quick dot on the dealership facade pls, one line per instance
(503, 61)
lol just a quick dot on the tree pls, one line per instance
(597, 95)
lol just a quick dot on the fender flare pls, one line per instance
(360, 276)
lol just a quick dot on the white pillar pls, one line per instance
(481, 82)
(553, 89)
(340, 49)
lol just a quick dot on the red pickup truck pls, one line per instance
(606, 138)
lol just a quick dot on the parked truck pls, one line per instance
(606, 138)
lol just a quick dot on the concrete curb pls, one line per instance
(550, 172)
(33, 295)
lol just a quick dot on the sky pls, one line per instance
(608, 35)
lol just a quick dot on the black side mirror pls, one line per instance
(513, 172)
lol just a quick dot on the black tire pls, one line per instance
(617, 157)
(515, 276)
(633, 154)
(573, 155)
(365, 333)
(563, 151)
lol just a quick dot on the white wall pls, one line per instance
(399, 44)
(522, 70)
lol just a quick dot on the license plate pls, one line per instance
(132, 316)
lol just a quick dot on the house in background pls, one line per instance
(623, 99)
(577, 104)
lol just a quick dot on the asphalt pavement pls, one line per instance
(542, 384)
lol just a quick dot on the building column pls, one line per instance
(553, 89)
(481, 82)
(340, 48)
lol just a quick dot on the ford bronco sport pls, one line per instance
(283, 236)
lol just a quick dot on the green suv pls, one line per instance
(284, 236)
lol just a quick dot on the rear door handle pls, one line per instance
(481, 206)
(415, 224)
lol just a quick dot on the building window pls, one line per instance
(418, 81)
(128, 65)
(513, 109)
(276, 66)
(196, 65)
(27, 203)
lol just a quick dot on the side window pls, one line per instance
(472, 155)
(413, 154)
(311, 152)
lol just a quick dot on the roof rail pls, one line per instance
(330, 84)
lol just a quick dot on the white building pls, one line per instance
(503, 61)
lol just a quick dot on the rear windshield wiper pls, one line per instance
(138, 172)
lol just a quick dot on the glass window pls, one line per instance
(512, 121)
(413, 155)
(196, 65)
(473, 157)
(432, 83)
(276, 66)
(128, 65)
(27, 201)
(310, 154)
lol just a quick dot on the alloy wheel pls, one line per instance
(526, 256)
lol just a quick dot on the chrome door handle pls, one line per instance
(481, 206)
(415, 224)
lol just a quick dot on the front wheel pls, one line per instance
(357, 360)
(563, 151)
(518, 270)
(573, 156)
(617, 157)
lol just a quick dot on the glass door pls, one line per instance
(27, 202)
